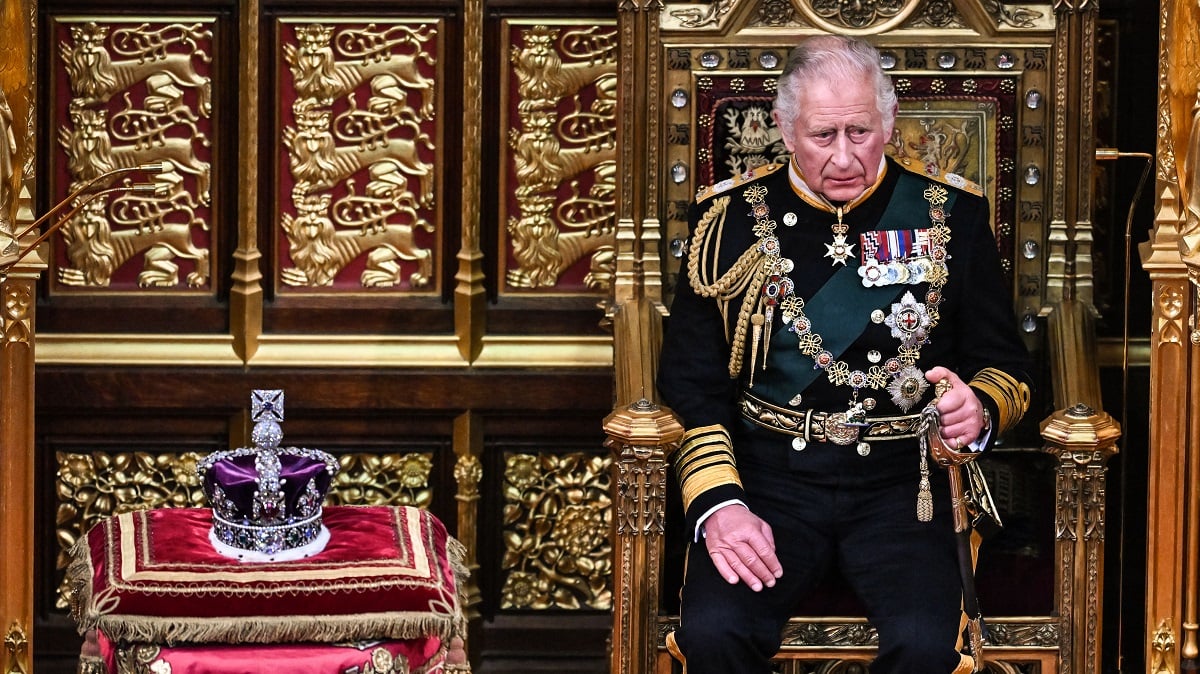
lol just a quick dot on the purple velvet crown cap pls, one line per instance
(266, 500)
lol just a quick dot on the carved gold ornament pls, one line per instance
(16, 643)
(361, 149)
(563, 156)
(383, 479)
(138, 97)
(557, 532)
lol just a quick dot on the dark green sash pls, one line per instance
(841, 309)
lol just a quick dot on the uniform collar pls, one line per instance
(800, 186)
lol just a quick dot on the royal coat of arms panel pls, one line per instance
(358, 202)
(132, 154)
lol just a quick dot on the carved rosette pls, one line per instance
(383, 479)
(875, 16)
(556, 530)
(361, 149)
(141, 93)
(561, 157)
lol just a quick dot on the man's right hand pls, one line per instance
(742, 547)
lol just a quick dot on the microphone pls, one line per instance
(91, 190)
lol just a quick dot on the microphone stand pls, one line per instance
(85, 194)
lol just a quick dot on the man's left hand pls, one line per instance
(959, 408)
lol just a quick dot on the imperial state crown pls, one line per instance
(267, 500)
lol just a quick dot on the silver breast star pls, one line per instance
(839, 250)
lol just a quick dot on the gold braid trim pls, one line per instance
(747, 276)
(705, 460)
(1010, 395)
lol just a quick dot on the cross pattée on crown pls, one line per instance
(266, 403)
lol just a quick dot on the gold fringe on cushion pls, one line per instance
(90, 664)
(147, 659)
(457, 554)
(275, 629)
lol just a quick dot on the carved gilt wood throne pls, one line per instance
(999, 92)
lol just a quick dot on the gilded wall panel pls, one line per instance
(557, 531)
(131, 93)
(360, 143)
(559, 163)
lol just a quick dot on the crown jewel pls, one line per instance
(266, 500)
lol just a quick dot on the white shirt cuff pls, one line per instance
(699, 533)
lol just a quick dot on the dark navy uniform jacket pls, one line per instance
(976, 337)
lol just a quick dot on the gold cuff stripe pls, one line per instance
(705, 461)
(702, 446)
(1010, 395)
(712, 477)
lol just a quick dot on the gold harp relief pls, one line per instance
(563, 156)
(139, 96)
(385, 142)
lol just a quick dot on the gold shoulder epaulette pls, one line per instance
(934, 172)
(740, 179)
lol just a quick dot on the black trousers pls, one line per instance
(904, 571)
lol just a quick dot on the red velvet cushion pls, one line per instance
(152, 577)
(412, 656)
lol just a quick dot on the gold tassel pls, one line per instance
(767, 334)
(757, 321)
(924, 497)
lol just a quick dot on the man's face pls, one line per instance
(837, 139)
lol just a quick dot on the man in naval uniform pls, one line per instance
(819, 304)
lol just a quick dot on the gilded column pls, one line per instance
(1069, 240)
(641, 437)
(468, 472)
(18, 285)
(635, 306)
(469, 294)
(246, 295)
(1082, 439)
(1172, 258)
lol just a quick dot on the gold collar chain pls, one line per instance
(899, 374)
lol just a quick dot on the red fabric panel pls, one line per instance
(387, 572)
